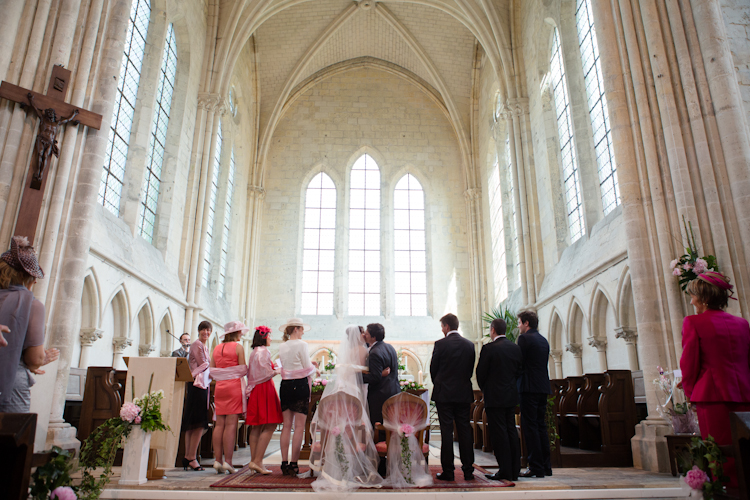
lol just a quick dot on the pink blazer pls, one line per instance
(715, 359)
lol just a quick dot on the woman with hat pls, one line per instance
(23, 317)
(229, 394)
(715, 360)
(263, 406)
(296, 379)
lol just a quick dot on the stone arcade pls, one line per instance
(352, 162)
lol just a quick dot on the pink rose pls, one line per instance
(137, 420)
(700, 266)
(336, 431)
(324, 382)
(129, 412)
(63, 493)
(687, 266)
(676, 271)
(695, 478)
(406, 429)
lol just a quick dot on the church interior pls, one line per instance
(355, 162)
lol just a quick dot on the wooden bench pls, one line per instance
(618, 415)
(568, 414)
(589, 417)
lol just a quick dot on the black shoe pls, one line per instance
(284, 468)
(469, 476)
(293, 469)
(186, 463)
(529, 473)
(444, 476)
(548, 472)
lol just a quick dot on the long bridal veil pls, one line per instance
(349, 457)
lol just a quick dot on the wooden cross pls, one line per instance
(51, 108)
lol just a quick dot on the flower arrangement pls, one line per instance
(52, 480)
(331, 365)
(405, 430)
(689, 265)
(704, 467)
(401, 364)
(99, 449)
(675, 409)
(319, 385)
(410, 385)
(339, 451)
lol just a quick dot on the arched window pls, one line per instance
(571, 180)
(497, 231)
(592, 71)
(319, 246)
(152, 180)
(512, 203)
(410, 258)
(116, 155)
(214, 191)
(364, 238)
(227, 225)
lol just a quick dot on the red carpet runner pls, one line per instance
(275, 481)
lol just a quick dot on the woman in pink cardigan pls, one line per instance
(715, 360)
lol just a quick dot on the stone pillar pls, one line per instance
(88, 337)
(630, 336)
(473, 198)
(577, 351)
(601, 349)
(256, 195)
(146, 349)
(556, 355)
(120, 344)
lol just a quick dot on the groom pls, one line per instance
(381, 357)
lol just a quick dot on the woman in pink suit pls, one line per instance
(715, 360)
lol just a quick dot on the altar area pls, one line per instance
(568, 483)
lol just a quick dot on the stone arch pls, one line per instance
(625, 302)
(166, 326)
(121, 312)
(90, 301)
(412, 362)
(322, 356)
(603, 324)
(577, 322)
(556, 330)
(397, 175)
(145, 321)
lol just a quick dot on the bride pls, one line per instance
(350, 460)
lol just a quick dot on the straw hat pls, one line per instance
(234, 326)
(295, 322)
(22, 256)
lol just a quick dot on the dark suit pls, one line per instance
(500, 366)
(535, 388)
(380, 388)
(451, 369)
(181, 352)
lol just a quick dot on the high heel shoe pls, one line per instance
(257, 468)
(218, 467)
(228, 468)
(186, 464)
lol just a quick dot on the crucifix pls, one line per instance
(53, 113)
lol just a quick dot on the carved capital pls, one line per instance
(121, 343)
(165, 354)
(628, 334)
(258, 191)
(90, 335)
(575, 349)
(472, 194)
(146, 349)
(598, 343)
(212, 102)
(556, 355)
(504, 112)
(519, 106)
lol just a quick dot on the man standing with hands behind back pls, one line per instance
(451, 368)
(499, 368)
(534, 388)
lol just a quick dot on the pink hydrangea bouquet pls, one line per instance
(406, 429)
(63, 493)
(696, 478)
(689, 265)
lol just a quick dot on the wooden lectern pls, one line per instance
(170, 375)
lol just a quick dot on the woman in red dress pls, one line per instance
(228, 395)
(263, 405)
(715, 360)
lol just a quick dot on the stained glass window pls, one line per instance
(319, 245)
(410, 257)
(364, 238)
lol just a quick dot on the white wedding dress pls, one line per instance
(350, 460)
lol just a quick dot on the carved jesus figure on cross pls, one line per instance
(46, 142)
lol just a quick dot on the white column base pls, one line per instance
(649, 445)
(62, 434)
(135, 457)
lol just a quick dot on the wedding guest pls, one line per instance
(195, 412)
(451, 368)
(296, 379)
(229, 395)
(715, 360)
(184, 349)
(535, 388)
(498, 370)
(263, 406)
(23, 317)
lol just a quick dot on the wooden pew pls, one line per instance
(17, 432)
(557, 386)
(618, 415)
(740, 425)
(475, 420)
(568, 415)
(102, 398)
(589, 417)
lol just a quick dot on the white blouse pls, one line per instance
(294, 355)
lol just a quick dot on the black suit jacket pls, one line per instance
(535, 349)
(380, 388)
(451, 369)
(500, 366)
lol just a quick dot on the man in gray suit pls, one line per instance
(184, 349)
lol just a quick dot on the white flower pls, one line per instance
(674, 263)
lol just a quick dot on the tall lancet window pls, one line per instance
(116, 154)
(512, 202)
(592, 71)
(497, 231)
(410, 257)
(319, 246)
(364, 238)
(227, 226)
(571, 180)
(213, 195)
(155, 160)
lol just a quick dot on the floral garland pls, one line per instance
(410, 385)
(331, 365)
(406, 430)
(340, 453)
(689, 265)
(318, 385)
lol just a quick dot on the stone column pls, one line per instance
(556, 355)
(88, 337)
(630, 336)
(577, 351)
(120, 344)
(256, 195)
(473, 197)
(146, 349)
(601, 349)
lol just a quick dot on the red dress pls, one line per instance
(263, 405)
(228, 393)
